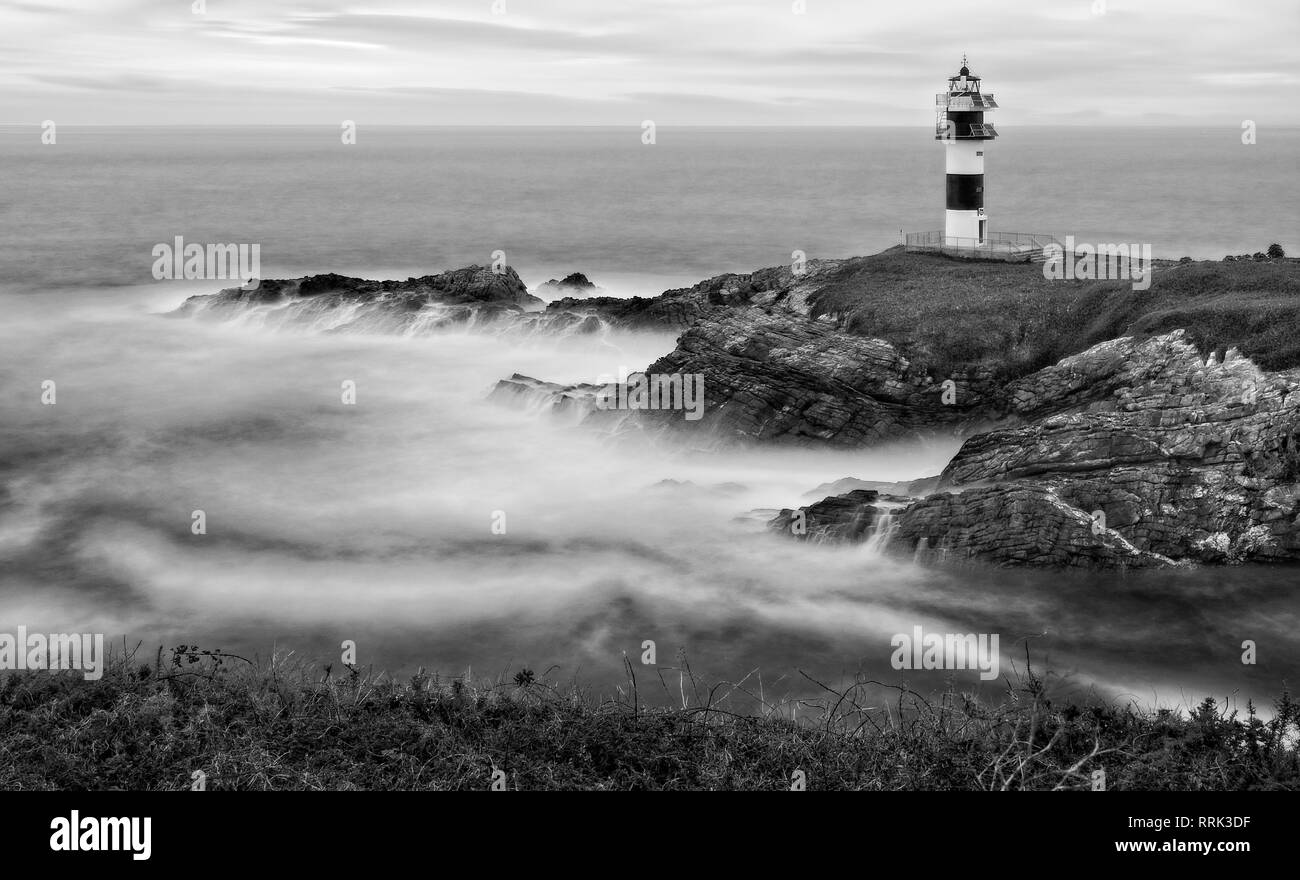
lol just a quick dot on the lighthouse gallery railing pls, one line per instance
(1027, 242)
(966, 101)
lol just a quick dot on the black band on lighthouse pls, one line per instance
(962, 120)
(965, 192)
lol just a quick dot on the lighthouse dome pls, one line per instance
(965, 73)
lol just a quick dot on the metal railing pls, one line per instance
(963, 101)
(947, 130)
(1027, 244)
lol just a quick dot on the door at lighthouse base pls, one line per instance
(983, 224)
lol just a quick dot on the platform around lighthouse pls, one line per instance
(1007, 247)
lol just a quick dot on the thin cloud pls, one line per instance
(595, 62)
(120, 82)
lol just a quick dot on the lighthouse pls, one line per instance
(961, 127)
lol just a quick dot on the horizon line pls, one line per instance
(634, 125)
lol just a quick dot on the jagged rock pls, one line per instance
(574, 285)
(574, 404)
(779, 378)
(1139, 453)
(1160, 373)
(337, 303)
(567, 400)
(1184, 459)
(1014, 524)
(838, 519)
(675, 309)
(776, 373)
(538, 393)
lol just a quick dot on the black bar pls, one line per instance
(965, 192)
(962, 120)
(317, 829)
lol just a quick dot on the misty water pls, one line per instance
(372, 522)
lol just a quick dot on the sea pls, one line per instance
(432, 528)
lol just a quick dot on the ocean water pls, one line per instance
(374, 522)
(634, 217)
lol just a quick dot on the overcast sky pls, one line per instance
(617, 62)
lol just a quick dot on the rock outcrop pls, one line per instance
(1185, 458)
(1019, 523)
(776, 377)
(573, 285)
(1148, 449)
(1134, 453)
(572, 403)
(838, 519)
(680, 308)
(774, 373)
(474, 295)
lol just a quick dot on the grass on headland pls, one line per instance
(953, 316)
(283, 725)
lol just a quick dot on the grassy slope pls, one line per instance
(152, 726)
(955, 314)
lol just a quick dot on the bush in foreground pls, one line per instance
(282, 725)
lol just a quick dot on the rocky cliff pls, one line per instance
(900, 346)
(1102, 426)
(1161, 453)
(1134, 453)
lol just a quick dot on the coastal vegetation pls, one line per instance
(164, 722)
(956, 315)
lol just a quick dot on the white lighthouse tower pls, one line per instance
(964, 132)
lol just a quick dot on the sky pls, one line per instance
(620, 62)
